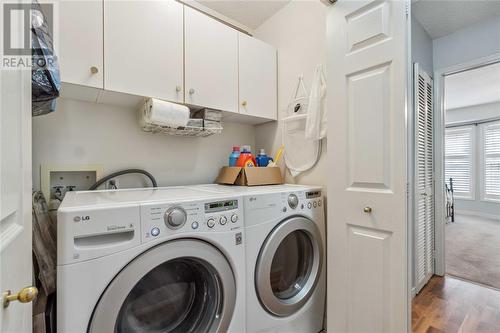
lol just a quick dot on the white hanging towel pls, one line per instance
(316, 123)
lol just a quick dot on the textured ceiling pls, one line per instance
(443, 17)
(251, 13)
(473, 87)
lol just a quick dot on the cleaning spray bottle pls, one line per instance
(246, 158)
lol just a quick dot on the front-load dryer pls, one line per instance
(151, 260)
(285, 251)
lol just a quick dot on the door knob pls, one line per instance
(178, 88)
(367, 210)
(244, 103)
(26, 295)
(191, 91)
(94, 70)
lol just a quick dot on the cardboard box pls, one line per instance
(249, 176)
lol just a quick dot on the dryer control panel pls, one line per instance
(159, 220)
(266, 207)
(302, 201)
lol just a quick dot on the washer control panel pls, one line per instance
(175, 217)
(222, 213)
(159, 219)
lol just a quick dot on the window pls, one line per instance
(458, 160)
(491, 161)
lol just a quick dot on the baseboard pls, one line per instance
(478, 214)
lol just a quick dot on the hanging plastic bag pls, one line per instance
(45, 79)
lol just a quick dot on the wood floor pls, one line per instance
(450, 305)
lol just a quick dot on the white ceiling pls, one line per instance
(443, 17)
(251, 13)
(473, 87)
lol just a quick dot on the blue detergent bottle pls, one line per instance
(263, 159)
(234, 156)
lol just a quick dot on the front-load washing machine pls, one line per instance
(151, 260)
(285, 244)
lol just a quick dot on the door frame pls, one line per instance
(439, 151)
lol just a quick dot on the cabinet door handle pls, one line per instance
(178, 88)
(94, 70)
(244, 104)
(191, 91)
(367, 210)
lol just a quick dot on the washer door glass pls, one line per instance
(180, 286)
(181, 295)
(289, 266)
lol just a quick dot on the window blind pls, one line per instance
(458, 160)
(491, 162)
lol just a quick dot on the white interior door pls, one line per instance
(367, 151)
(424, 179)
(15, 191)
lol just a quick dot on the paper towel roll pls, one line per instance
(163, 113)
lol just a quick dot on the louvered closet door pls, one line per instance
(424, 179)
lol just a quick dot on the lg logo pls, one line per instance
(81, 218)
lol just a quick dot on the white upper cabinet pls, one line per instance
(211, 62)
(81, 42)
(257, 78)
(165, 50)
(143, 48)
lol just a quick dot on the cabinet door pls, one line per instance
(257, 78)
(81, 42)
(211, 59)
(143, 48)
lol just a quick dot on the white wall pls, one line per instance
(298, 31)
(88, 133)
(477, 41)
(421, 46)
(475, 113)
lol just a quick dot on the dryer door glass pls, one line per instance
(182, 295)
(176, 287)
(289, 266)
